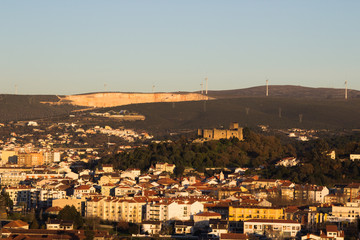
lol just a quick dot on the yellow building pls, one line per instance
(5, 156)
(243, 213)
(30, 159)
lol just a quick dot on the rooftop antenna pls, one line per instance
(346, 90)
(267, 87)
(202, 86)
(153, 88)
(206, 85)
(16, 89)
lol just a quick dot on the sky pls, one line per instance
(70, 47)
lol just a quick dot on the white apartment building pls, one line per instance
(12, 178)
(318, 194)
(180, 210)
(26, 195)
(348, 213)
(46, 196)
(51, 157)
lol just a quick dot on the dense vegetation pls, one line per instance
(257, 152)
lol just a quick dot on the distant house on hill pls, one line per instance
(288, 162)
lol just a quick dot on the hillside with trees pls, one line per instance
(258, 152)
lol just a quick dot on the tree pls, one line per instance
(179, 170)
(70, 213)
(134, 228)
(5, 200)
(34, 224)
(89, 235)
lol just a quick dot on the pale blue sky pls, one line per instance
(68, 47)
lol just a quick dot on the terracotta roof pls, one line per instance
(233, 236)
(331, 228)
(209, 214)
(16, 224)
(53, 209)
(83, 187)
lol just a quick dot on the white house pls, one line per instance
(275, 228)
(354, 157)
(83, 190)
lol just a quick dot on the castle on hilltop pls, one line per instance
(216, 134)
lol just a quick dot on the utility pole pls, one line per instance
(206, 85)
(267, 87)
(346, 90)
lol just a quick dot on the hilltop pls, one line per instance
(286, 91)
(320, 108)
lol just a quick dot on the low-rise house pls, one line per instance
(331, 232)
(107, 168)
(83, 190)
(266, 183)
(109, 178)
(203, 219)
(272, 228)
(165, 167)
(54, 224)
(17, 224)
(131, 173)
(151, 227)
(354, 157)
(184, 227)
(288, 162)
(218, 227)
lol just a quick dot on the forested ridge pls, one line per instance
(257, 152)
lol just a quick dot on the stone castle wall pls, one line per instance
(216, 134)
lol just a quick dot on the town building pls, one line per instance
(216, 134)
(272, 228)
